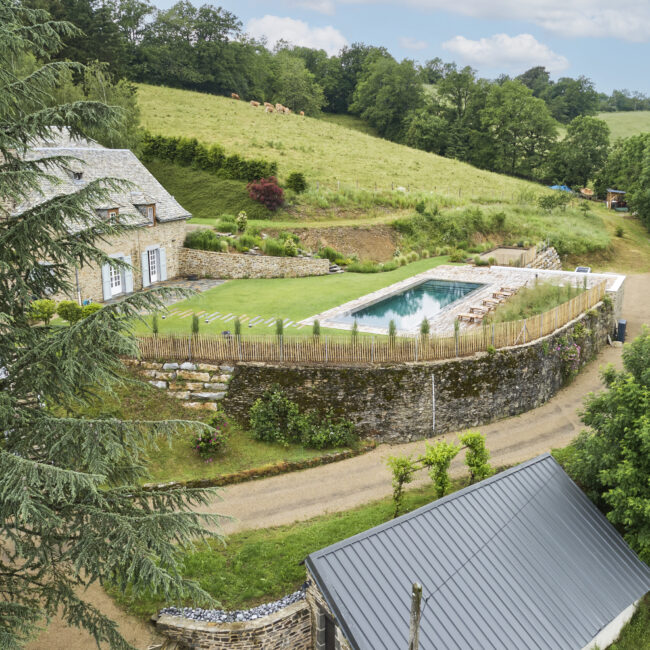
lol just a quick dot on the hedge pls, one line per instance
(190, 152)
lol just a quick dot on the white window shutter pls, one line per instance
(106, 282)
(145, 269)
(128, 276)
(162, 258)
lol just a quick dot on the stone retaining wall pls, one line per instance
(209, 264)
(404, 402)
(289, 629)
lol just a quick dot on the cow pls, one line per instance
(254, 103)
(279, 108)
(287, 111)
(269, 109)
(234, 95)
(302, 113)
(268, 104)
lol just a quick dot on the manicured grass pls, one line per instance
(179, 461)
(256, 566)
(626, 123)
(294, 298)
(323, 151)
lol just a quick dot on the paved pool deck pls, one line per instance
(442, 323)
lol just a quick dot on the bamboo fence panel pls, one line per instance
(327, 349)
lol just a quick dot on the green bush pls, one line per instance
(212, 442)
(90, 309)
(479, 261)
(42, 310)
(457, 256)
(289, 247)
(425, 254)
(275, 418)
(296, 182)
(226, 225)
(365, 266)
(69, 311)
(204, 239)
(619, 231)
(327, 252)
(241, 221)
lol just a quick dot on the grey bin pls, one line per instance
(620, 330)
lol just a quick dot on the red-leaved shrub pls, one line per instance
(267, 191)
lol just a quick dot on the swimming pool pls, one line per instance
(409, 307)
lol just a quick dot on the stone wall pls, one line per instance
(289, 629)
(209, 264)
(398, 403)
(318, 608)
(200, 385)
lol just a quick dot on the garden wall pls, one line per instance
(289, 628)
(209, 264)
(404, 402)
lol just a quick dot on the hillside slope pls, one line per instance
(324, 151)
(625, 124)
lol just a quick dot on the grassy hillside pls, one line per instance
(326, 152)
(625, 124)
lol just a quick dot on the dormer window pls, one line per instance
(148, 210)
(77, 175)
(111, 215)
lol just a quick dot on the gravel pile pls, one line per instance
(221, 616)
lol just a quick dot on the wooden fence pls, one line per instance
(327, 349)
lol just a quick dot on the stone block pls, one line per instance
(215, 387)
(206, 406)
(149, 373)
(150, 366)
(221, 379)
(177, 385)
(207, 367)
(188, 366)
(180, 394)
(159, 384)
(194, 385)
(170, 366)
(208, 396)
(228, 369)
(193, 376)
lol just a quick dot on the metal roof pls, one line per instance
(611, 191)
(520, 560)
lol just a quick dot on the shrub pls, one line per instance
(619, 231)
(237, 326)
(457, 256)
(275, 418)
(90, 309)
(425, 254)
(296, 182)
(223, 245)
(552, 201)
(154, 324)
(425, 328)
(206, 240)
(241, 221)
(316, 328)
(318, 432)
(365, 266)
(43, 310)
(412, 257)
(279, 327)
(420, 207)
(479, 261)
(289, 248)
(332, 255)
(209, 443)
(69, 310)
(492, 261)
(272, 247)
(401, 260)
(267, 192)
(195, 324)
(498, 220)
(226, 225)
(389, 266)
(249, 241)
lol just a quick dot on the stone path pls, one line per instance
(339, 486)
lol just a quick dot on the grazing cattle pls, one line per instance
(268, 104)
(279, 108)
(269, 109)
(234, 95)
(286, 110)
(302, 113)
(254, 103)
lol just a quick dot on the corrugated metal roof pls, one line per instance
(520, 560)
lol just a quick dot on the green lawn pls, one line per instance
(294, 298)
(179, 461)
(623, 124)
(257, 566)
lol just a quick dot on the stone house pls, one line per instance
(520, 560)
(152, 249)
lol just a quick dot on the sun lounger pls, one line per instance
(471, 318)
(479, 310)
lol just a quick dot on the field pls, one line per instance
(626, 123)
(324, 151)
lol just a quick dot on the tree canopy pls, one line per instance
(72, 511)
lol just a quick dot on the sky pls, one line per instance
(605, 40)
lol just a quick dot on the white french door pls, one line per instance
(116, 281)
(154, 266)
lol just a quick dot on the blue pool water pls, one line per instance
(410, 307)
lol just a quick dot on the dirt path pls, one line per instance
(339, 486)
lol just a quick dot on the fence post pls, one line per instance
(416, 349)
(372, 350)
(493, 334)
(189, 348)
(456, 341)
(326, 349)
(281, 338)
(239, 347)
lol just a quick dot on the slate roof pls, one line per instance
(95, 162)
(520, 560)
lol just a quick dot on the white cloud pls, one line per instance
(326, 7)
(514, 53)
(411, 43)
(622, 19)
(296, 32)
